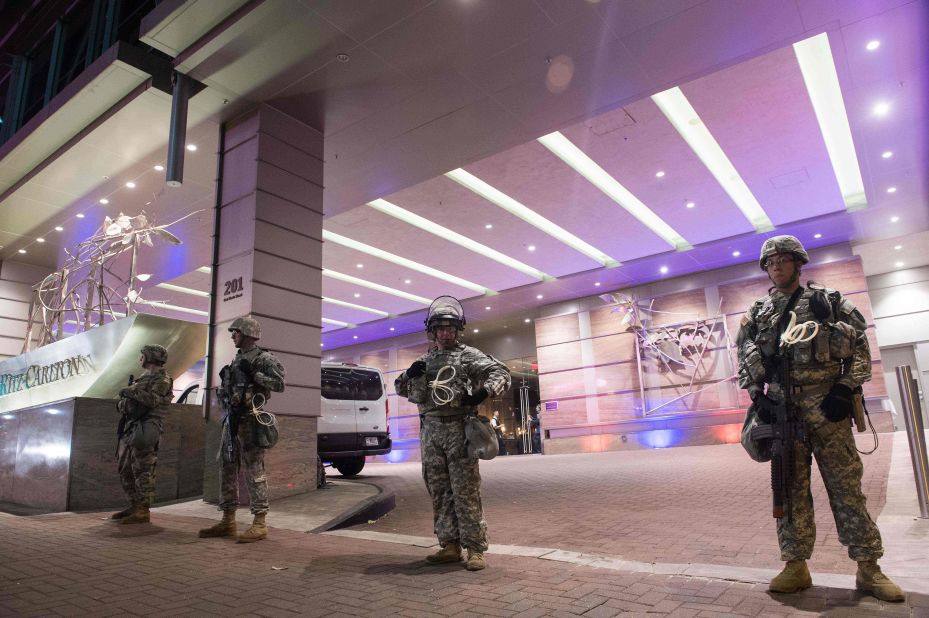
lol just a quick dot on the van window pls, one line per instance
(349, 383)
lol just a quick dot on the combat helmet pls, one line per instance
(783, 244)
(247, 326)
(445, 311)
(154, 353)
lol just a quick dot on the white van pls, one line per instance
(354, 420)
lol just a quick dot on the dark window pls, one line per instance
(346, 383)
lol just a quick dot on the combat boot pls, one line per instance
(224, 528)
(794, 578)
(125, 512)
(475, 560)
(139, 515)
(449, 553)
(257, 531)
(871, 579)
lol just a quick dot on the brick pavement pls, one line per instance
(706, 504)
(76, 564)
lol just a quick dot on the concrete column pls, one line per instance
(270, 267)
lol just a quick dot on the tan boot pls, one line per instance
(794, 578)
(449, 553)
(256, 532)
(224, 528)
(139, 515)
(125, 512)
(475, 560)
(870, 579)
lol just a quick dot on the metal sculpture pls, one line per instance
(87, 287)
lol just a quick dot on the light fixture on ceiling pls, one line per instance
(375, 286)
(891, 189)
(881, 108)
(402, 261)
(192, 147)
(565, 150)
(690, 205)
(897, 247)
(79, 215)
(475, 330)
(130, 185)
(40, 239)
(894, 219)
(597, 284)
(357, 295)
(539, 296)
(817, 235)
(336, 322)
(682, 115)
(359, 265)
(169, 306)
(321, 344)
(887, 154)
(515, 208)
(392, 329)
(342, 303)
(663, 270)
(527, 320)
(159, 168)
(180, 289)
(205, 270)
(426, 225)
(104, 201)
(822, 84)
(145, 277)
(659, 174)
(354, 336)
(531, 247)
(487, 308)
(898, 264)
(22, 250)
(58, 228)
(736, 253)
(489, 226)
(407, 281)
(872, 45)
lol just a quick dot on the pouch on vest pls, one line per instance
(759, 450)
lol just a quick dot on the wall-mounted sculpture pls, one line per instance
(88, 290)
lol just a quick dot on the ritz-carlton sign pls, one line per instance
(40, 375)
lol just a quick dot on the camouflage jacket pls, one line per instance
(146, 396)
(261, 373)
(839, 352)
(473, 369)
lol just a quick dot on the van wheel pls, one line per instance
(349, 468)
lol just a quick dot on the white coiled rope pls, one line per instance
(798, 333)
(441, 393)
(264, 418)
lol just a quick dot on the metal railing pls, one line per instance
(916, 433)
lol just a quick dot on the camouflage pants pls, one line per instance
(137, 456)
(833, 446)
(251, 459)
(453, 481)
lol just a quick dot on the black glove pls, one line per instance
(475, 398)
(417, 369)
(839, 403)
(764, 406)
(245, 366)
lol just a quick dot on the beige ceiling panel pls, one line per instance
(177, 26)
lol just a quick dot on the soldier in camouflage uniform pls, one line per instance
(447, 384)
(825, 372)
(140, 428)
(246, 383)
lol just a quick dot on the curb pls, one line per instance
(374, 507)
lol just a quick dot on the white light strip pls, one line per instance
(402, 261)
(342, 303)
(375, 286)
(183, 290)
(565, 150)
(678, 110)
(822, 84)
(495, 196)
(164, 305)
(337, 323)
(446, 234)
(205, 269)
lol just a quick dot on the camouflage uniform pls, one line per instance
(838, 354)
(239, 442)
(453, 479)
(141, 405)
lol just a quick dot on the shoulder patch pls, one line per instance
(746, 319)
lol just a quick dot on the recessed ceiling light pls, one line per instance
(897, 247)
(539, 296)
(476, 330)
(159, 168)
(104, 201)
(392, 329)
(407, 281)
(894, 219)
(321, 344)
(489, 226)
(130, 185)
(817, 235)
(40, 239)
(353, 336)
(891, 189)
(597, 284)
(487, 307)
(531, 247)
(659, 174)
(663, 270)
(736, 253)
(898, 264)
(881, 109)
(193, 148)
(22, 250)
(359, 265)
(80, 215)
(527, 320)
(58, 228)
(690, 205)
(357, 295)
(872, 45)
(887, 154)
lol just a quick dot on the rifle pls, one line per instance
(121, 427)
(783, 432)
(235, 380)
